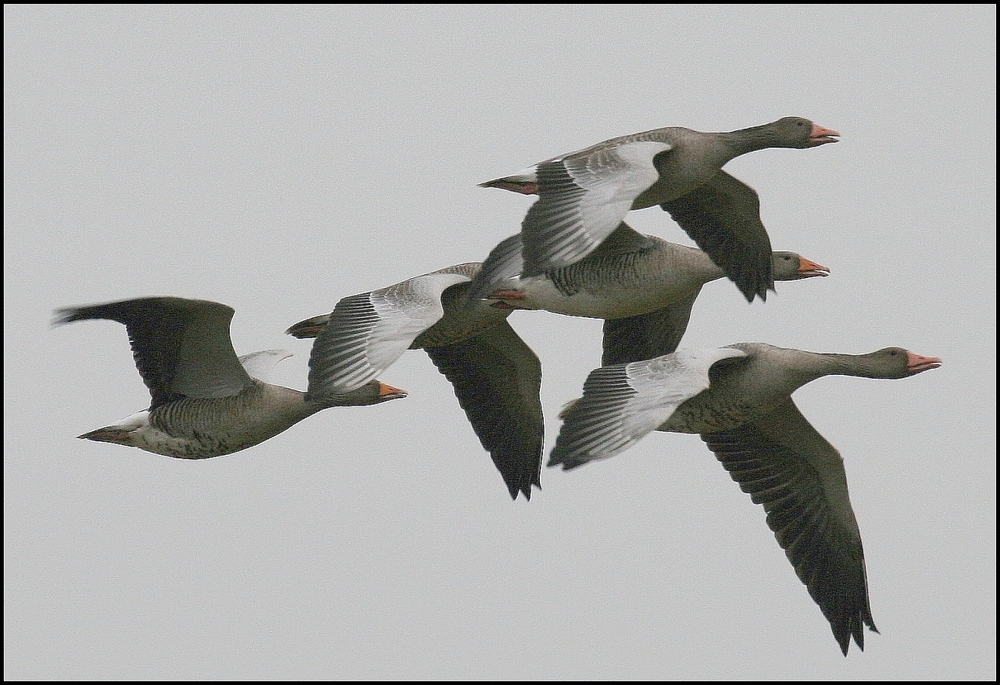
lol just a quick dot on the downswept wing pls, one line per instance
(789, 468)
(497, 379)
(723, 217)
(649, 335)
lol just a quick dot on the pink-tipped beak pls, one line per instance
(916, 363)
(820, 136)
(809, 268)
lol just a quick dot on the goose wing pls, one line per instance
(722, 216)
(622, 403)
(649, 335)
(582, 198)
(497, 379)
(260, 364)
(367, 332)
(786, 466)
(181, 347)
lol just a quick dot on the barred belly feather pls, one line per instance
(199, 428)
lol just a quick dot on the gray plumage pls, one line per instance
(203, 402)
(738, 398)
(584, 195)
(642, 286)
(495, 375)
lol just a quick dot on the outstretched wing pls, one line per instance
(789, 468)
(722, 216)
(181, 347)
(497, 379)
(623, 403)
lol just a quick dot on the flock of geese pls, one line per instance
(576, 256)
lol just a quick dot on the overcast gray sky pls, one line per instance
(279, 158)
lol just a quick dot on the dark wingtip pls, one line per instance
(844, 640)
(752, 292)
(525, 490)
(753, 285)
(567, 463)
(857, 631)
(764, 289)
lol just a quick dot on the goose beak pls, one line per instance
(809, 268)
(820, 135)
(387, 392)
(916, 363)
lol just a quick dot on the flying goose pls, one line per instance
(204, 400)
(642, 286)
(738, 398)
(495, 375)
(584, 195)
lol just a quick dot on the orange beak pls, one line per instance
(388, 391)
(915, 363)
(820, 136)
(808, 268)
